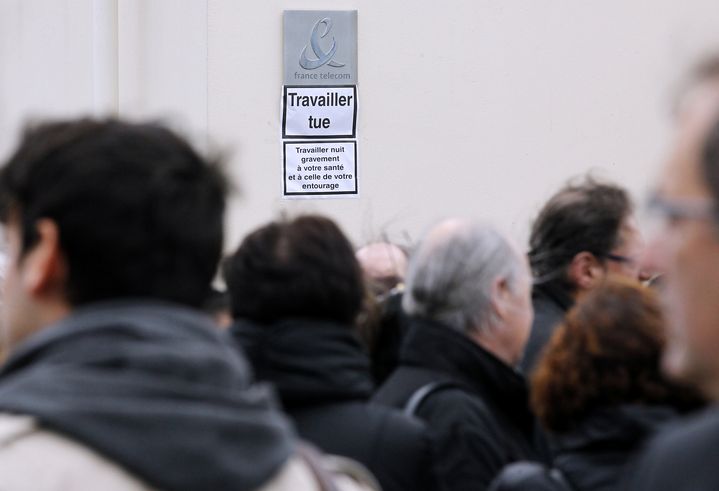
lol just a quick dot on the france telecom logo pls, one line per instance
(323, 58)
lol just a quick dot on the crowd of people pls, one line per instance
(461, 363)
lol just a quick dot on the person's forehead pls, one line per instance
(629, 233)
(382, 259)
(630, 225)
(682, 175)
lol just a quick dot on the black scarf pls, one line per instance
(154, 388)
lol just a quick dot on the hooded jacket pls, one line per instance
(481, 421)
(153, 389)
(323, 379)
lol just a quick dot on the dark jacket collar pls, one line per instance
(555, 293)
(309, 361)
(439, 348)
(156, 389)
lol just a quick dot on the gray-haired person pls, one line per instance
(468, 298)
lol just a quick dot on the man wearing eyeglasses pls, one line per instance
(583, 233)
(686, 249)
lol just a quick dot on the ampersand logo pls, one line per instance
(322, 56)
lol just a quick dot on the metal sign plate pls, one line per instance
(320, 47)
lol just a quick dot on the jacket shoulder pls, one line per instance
(395, 447)
(528, 476)
(37, 459)
(471, 443)
(456, 403)
(301, 473)
(677, 458)
(354, 423)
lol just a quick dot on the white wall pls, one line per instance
(45, 62)
(472, 107)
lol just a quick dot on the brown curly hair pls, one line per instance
(606, 352)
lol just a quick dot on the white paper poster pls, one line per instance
(320, 168)
(319, 112)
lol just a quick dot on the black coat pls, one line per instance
(594, 456)
(323, 381)
(390, 331)
(481, 423)
(550, 302)
(682, 458)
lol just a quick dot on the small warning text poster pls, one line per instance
(313, 168)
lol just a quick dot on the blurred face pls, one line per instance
(15, 312)
(32, 291)
(686, 249)
(520, 314)
(507, 335)
(624, 259)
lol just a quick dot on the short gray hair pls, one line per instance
(450, 277)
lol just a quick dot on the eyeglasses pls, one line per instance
(679, 210)
(620, 259)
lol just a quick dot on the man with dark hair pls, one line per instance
(114, 380)
(296, 290)
(583, 232)
(301, 268)
(686, 250)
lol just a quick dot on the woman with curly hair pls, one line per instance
(599, 392)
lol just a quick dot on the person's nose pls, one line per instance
(651, 262)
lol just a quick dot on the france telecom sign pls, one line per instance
(319, 104)
(320, 47)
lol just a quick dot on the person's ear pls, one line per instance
(501, 300)
(44, 269)
(585, 270)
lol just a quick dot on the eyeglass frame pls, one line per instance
(688, 209)
(619, 258)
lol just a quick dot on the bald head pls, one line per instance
(381, 259)
(384, 264)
